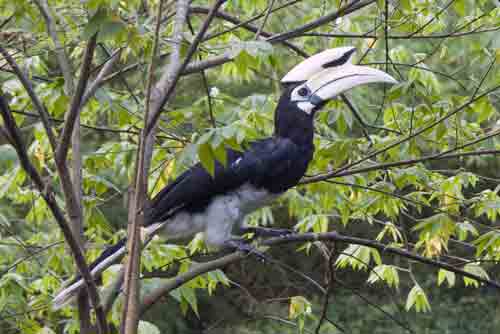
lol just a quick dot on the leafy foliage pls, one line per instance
(434, 140)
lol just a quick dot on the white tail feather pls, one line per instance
(66, 295)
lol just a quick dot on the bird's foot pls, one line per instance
(243, 245)
(267, 232)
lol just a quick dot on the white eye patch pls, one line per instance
(300, 96)
(300, 93)
(303, 98)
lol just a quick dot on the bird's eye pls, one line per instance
(304, 91)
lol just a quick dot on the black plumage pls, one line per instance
(274, 164)
(271, 165)
(199, 202)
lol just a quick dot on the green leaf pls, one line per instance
(387, 273)
(196, 244)
(299, 306)
(417, 298)
(46, 330)
(108, 25)
(476, 269)
(488, 242)
(449, 276)
(206, 157)
(111, 28)
(188, 294)
(460, 7)
(7, 154)
(147, 328)
(95, 23)
(221, 154)
(358, 257)
(464, 229)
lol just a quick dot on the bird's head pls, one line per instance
(322, 77)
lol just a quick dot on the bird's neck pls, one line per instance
(301, 132)
(293, 123)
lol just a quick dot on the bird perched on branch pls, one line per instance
(215, 204)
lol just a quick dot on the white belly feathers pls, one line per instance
(218, 219)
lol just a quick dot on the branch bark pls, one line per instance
(179, 280)
(74, 109)
(200, 269)
(71, 182)
(157, 97)
(130, 313)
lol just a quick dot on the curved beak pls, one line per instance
(331, 82)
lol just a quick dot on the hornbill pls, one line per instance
(199, 202)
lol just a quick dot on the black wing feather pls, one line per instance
(266, 164)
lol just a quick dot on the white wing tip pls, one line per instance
(65, 296)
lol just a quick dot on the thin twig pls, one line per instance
(200, 269)
(98, 81)
(31, 255)
(245, 24)
(415, 134)
(62, 58)
(434, 17)
(49, 197)
(130, 314)
(268, 12)
(435, 36)
(74, 109)
(343, 11)
(387, 165)
(44, 115)
(168, 92)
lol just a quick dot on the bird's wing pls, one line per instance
(195, 188)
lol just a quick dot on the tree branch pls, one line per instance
(409, 36)
(343, 11)
(250, 27)
(62, 58)
(387, 165)
(416, 133)
(200, 269)
(130, 312)
(247, 23)
(198, 66)
(99, 80)
(167, 89)
(74, 109)
(44, 115)
(58, 214)
(179, 280)
(334, 236)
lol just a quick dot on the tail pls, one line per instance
(110, 256)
